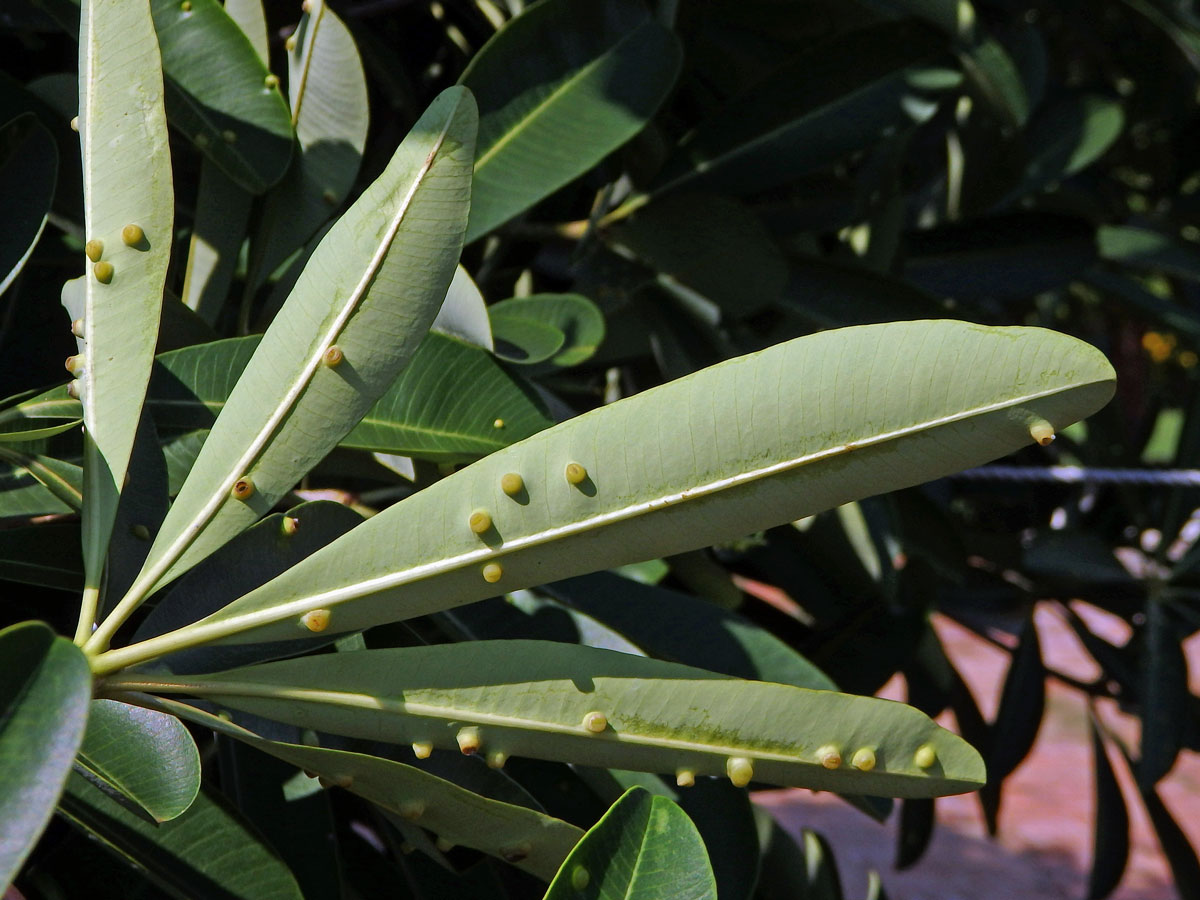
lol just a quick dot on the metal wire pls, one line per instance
(1084, 475)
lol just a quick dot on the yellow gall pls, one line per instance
(863, 759)
(290, 43)
(595, 722)
(829, 756)
(73, 390)
(498, 423)
(74, 365)
(186, 6)
(75, 123)
(289, 526)
(512, 484)
(740, 770)
(103, 272)
(925, 757)
(93, 250)
(333, 356)
(132, 235)
(492, 573)
(580, 878)
(243, 489)
(315, 619)
(77, 328)
(576, 474)
(468, 740)
(496, 759)
(412, 810)
(271, 82)
(422, 749)
(685, 778)
(1042, 432)
(342, 781)
(480, 521)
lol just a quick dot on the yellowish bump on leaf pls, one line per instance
(492, 573)
(289, 526)
(480, 521)
(496, 759)
(77, 328)
(315, 619)
(74, 123)
(576, 474)
(306, 6)
(925, 756)
(580, 878)
(829, 756)
(271, 82)
(73, 390)
(186, 6)
(685, 778)
(290, 43)
(498, 423)
(93, 250)
(444, 845)
(243, 489)
(132, 235)
(229, 136)
(202, 140)
(422, 749)
(412, 810)
(740, 770)
(514, 853)
(333, 356)
(74, 365)
(595, 722)
(342, 781)
(103, 272)
(468, 740)
(1042, 432)
(512, 484)
(863, 759)
(141, 532)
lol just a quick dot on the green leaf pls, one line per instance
(464, 314)
(218, 231)
(523, 339)
(709, 245)
(33, 434)
(219, 94)
(45, 554)
(63, 480)
(644, 848)
(542, 699)
(368, 294)
(809, 112)
(126, 182)
(1163, 695)
(528, 839)
(250, 17)
(1144, 248)
(1110, 844)
(45, 686)
(560, 87)
(28, 174)
(578, 319)
(146, 760)
(1069, 136)
(995, 73)
(23, 496)
(328, 93)
(744, 445)
(208, 853)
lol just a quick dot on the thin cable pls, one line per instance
(1084, 475)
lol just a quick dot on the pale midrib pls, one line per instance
(371, 703)
(175, 550)
(210, 630)
(549, 100)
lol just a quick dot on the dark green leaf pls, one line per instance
(1164, 694)
(1110, 844)
(916, 829)
(45, 686)
(28, 173)
(46, 554)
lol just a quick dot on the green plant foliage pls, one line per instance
(28, 172)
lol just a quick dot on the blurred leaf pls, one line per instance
(1068, 136)
(708, 245)
(644, 848)
(1145, 248)
(993, 70)
(577, 318)
(916, 829)
(1181, 856)
(145, 760)
(560, 87)
(1110, 844)
(28, 174)
(830, 295)
(208, 853)
(47, 555)
(1164, 694)
(45, 687)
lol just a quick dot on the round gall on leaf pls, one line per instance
(412, 810)
(480, 521)
(829, 756)
(1042, 432)
(595, 722)
(468, 740)
(103, 272)
(925, 757)
(289, 526)
(93, 250)
(422, 749)
(685, 778)
(576, 474)
(316, 619)
(498, 423)
(333, 357)
(77, 328)
(271, 82)
(243, 489)
(580, 878)
(863, 759)
(512, 484)
(492, 573)
(740, 770)
(496, 759)
(132, 235)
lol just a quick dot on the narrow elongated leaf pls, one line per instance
(1164, 695)
(126, 183)
(145, 760)
(744, 445)
(365, 300)
(1110, 843)
(28, 174)
(44, 691)
(250, 17)
(644, 848)
(23, 496)
(218, 231)
(596, 707)
(46, 554)
(528, 839)
(328, 94)
(63, 480)
(208, 853)
(33, 434)
(560, 87)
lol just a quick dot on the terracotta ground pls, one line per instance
(1044, 845)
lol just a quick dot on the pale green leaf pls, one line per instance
(541, 699)
(744, 445)
(368, 294)
(33, 434)
(464, 314)
(126, 182)
(560, 87)
(144, 759)
(250, 17)
(644, 848)
(576, 317)
(64, 480)
(45, 686)
(218, 231)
